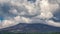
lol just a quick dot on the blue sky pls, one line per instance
(1, 18)
(32, 0)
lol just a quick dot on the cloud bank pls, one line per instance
(29, 11)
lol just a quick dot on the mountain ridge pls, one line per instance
(35, 27)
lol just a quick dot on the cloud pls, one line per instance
(28, 11)
(52, 23)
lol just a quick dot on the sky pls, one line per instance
(13, 12)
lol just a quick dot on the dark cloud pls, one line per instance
(56, 14)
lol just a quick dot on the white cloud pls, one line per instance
(21, 19)
(52, 23)
(46, 9)
(13, 11)
(22, 11)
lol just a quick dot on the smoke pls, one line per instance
(28, 11)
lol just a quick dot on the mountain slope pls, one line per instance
(37, 27)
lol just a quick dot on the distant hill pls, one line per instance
(37, 27)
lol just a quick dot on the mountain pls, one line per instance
(35, 27)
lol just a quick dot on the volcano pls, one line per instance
(36, 27)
